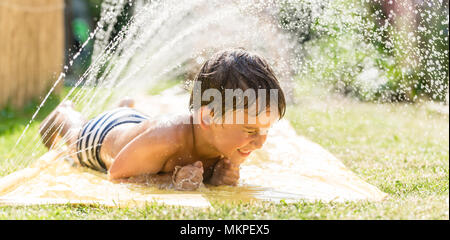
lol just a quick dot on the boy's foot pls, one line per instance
(48, 128)
(127, 102)
(189, 177)
(67, 103)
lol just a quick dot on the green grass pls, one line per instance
(402, 149)
(12, 124)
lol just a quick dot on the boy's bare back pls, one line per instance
(128, 145)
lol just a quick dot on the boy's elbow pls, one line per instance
(115, 171)
(113, 175)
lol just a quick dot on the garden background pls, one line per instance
(370, 85)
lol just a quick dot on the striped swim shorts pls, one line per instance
(93, 133)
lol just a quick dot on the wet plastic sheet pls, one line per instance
(288, 167)
(52, 180)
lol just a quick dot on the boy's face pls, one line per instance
(237, 140)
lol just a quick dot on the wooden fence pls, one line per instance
(31, 49)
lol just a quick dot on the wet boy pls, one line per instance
(235, 100)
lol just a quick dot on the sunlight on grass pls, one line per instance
(12, 124)
(400, 148)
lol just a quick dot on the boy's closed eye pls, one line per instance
(259, 131)
(250, 130)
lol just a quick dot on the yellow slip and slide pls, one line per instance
(288, 167)
(52, 180)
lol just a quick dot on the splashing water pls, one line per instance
(165, 39)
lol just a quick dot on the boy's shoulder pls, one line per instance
(174, 129)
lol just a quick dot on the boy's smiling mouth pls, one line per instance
(244, 153)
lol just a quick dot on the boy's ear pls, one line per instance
(206, 116)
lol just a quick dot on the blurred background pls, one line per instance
(368, 80)
(39, 38)
(374, 50)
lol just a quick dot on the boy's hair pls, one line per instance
(237, 69)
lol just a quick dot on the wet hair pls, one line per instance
(238, 69)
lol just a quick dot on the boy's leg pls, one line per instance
(63, 123)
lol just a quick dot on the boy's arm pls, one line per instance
(162, 180)
(146, 154)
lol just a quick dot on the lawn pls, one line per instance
(403, 149)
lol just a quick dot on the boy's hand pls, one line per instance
(189, 177)
(225, 173)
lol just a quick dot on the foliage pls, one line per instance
(12, 125)
(364, 52)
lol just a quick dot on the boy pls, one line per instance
(203, 146)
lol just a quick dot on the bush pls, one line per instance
(360, 50)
